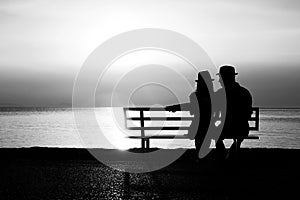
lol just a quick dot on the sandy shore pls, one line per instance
(62, 173)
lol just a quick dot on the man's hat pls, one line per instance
(227, 70)
(205, 75)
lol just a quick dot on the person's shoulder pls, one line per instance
(193, 94)
(244, 90)
(219, 93)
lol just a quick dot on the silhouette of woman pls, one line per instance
(199, 106)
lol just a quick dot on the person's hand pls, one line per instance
(170, 109)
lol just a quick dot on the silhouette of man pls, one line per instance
(199, 106)
(238, 109)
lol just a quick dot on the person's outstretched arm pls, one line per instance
(177, 107)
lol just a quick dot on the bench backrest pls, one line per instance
(253, 121)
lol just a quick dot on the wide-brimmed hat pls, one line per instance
(227, 70)
(205, 75)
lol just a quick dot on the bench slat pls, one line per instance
(169, 128)
(162, 118)
(145, 108)
(252, 128)
(254, 137)
(161, 137)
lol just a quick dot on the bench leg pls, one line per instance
(234, 150)
(143, 143)
(148, 143)
(236, 147)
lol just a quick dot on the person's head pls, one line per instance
(227, 75)
(204, 80)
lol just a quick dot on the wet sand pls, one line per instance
(62, 173)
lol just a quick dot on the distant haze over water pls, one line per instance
(45, 43)
(55, 127)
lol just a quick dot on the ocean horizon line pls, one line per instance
(133, 148)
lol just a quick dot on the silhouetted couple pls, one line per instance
(238, 109)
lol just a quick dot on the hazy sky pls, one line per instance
(44, 43)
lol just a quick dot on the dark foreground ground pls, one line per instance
(55, 173)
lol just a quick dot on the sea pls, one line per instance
(105, 128)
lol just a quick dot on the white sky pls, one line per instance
(44, 43)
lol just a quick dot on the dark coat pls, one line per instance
(238, 111)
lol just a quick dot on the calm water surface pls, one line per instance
(56, 127)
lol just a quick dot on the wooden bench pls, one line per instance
(140, 116)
